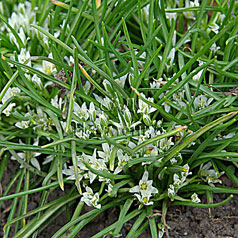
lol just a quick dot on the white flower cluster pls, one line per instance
(6, 107)
(210, 176)
(178, 182)
(144, 190)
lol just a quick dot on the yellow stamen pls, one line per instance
(48, 70)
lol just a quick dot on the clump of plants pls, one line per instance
(128, 104)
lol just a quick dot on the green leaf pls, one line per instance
(197, 134)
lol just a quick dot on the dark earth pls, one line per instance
(184, 222)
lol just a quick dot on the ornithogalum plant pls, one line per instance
(125, 103)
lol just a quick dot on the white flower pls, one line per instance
(1, 8)
(32, 156)
(167, 107)
(213, 27)
(155, 84)
(22, 124)
(211, 175)
(107, 85)
(92, 111)
(106, 153)
(93, 162)
(83, 134)
(57, 102)
(179, 179)
(170, 59)
(170, 16)
(220, 17)
(42, 121)
(87, 87)
(11, 92)
(23, 56)
(161, 229)
(147, 120)
(144, 198)
(197, 76)
(186, 171)
(229, 135)
(47, 67)
(171, 192)
(57, 34)
(71, 173)
(22, 36)
(146, 10)
(8, 109)
(82, 111)
(202, 101)
(121, 81)
(144, 185)
(214, 48)
(144, 107)
(173, 161)
(179, 97)
(189, 14)
(165, 144)
(195, 198)
(109, 188)
(90, 198)
(103, 120)
(70, 60)
(36, 80)
(195, 3)
(22, 17)
(122, 160)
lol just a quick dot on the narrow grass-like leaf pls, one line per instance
(52, 185)
(162, 18)
(76, 21)
(94, 83)
(9, 83)
(116, 186)
(194, 59)
(202, 187)
(133, 57)
(192, 204)
(146, 67)
(198, 22)
(3, 164)
(111, 227)
(85, 216)
(197, 134)
(73, 9)
(60, 158)
(166, 50)
(136, 224)
(40, 209)
(121, 219)
(228, 172)
(106, 174)
(35, 224)
(14, 204)
(75, 164)
(71, 98)
(152, 223)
